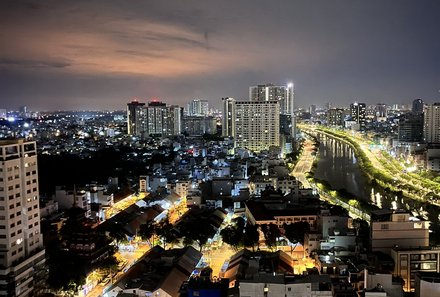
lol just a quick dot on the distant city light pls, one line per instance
(11, 119)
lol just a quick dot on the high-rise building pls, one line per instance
(257, 124)
(270, 92)
(134, 118)
(198, 125)
(21, 245)
(228, 119)
(417, 106)
(358, 114)
(175, 120)
(380, 112)
(197, 107)
(431, 129)
(335, 117)
(312, 110)
(411, 127)
(155, 119)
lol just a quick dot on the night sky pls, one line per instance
(66, 55)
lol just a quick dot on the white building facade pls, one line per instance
(21, 242)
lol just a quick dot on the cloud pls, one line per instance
(33, 63)
(210, 49)
(130, 43)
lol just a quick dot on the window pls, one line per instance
(415, 257)
(384, 226)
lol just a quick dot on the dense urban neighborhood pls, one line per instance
(113, 208)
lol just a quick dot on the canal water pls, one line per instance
(339, 167)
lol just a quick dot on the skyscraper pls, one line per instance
(197, 107)
(228, 120)
(335, 117)
(174, 120)
(358, 114)
(134, 118)
(270, 92)
(155, 119)
(21, 244)
(411, 127)
(431, 130)
(257, 124)
(417, 106)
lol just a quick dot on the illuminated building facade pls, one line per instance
(21, 244)
(197, 107)
(228, 120)
(269, 92)
(358, 113)
(257, 125)
(155, 119)
(432, 123)
(335, 117)
(134, 118)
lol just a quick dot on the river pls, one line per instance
(339, 167)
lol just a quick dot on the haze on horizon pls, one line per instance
(102, 54)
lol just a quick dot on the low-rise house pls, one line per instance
(158, 273)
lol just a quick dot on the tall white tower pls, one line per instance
(21, 243)
(270, 92)
(431, 128)
(228, 120)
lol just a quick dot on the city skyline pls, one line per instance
(100, 55)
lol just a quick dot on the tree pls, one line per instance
(271, 234)
(109, 264)
(165, 231)
(251, 236)
(116, 233)
(67, 272)
(146, 231)
(197, 229)
(295, 232)
(231, 236)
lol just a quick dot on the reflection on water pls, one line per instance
(338, 166)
